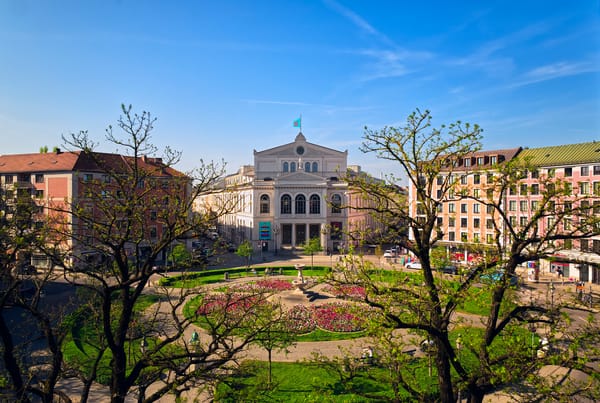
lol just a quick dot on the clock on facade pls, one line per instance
(300, 150)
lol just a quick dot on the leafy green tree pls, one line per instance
(427, 307)
(180, 256)
(272, 333)
(245, 251)
(311, 247)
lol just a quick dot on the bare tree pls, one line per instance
(131, 211)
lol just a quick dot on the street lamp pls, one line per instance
(275, 233)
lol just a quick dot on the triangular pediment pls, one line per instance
(300, 177)
(307, 150)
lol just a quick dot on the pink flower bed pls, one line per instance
(232, 305)
(336, 317)
(347, 291)
(268, 285)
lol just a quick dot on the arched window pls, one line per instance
(315, 167)
(336, 203)
(300, 204)
(265, 204)
(307, 166)
(292, 167)
(285, 167)
(286, 204)
(315, 204)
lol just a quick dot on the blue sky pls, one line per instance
(227, 77)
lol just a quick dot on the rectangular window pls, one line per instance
(489, 178)
(463, 223)
(476, 223)
(451, 237)
(550, 172)
(596, 188)
(596, 246)
(451, 208)
(596, 169)
(476, 179)
(489, 193)
(39, 178)
(535, 205)
(451, 221)
(463, 208)
(535, 189)
(522, 221)
(512, 190)
(584, 188)
(464, 237)
(476, 208)
(584, 245)
(476, 193)
(467, 162)
(512, 220)
(439, 194)
(463, 180)
(8, 179)
(39, 193)
(493, 160)
(523, 205)
(480, 160)
(584, 171)
(476, 237)
(489, 223)
(88, 177)
(439, 221)
(489, 209)
(535, 174)
(568, 172)
(523, 189)
(489, 238)
(440, 180)
(512, 205)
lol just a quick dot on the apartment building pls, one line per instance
(469, 226)
(578, 165)
(58, 180)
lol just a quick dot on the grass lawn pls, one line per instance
(306, 382)
(195, 279)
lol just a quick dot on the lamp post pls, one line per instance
(275, 233)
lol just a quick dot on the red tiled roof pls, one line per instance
(80, 161)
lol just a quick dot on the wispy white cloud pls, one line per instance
(359, 22)
(556, 70)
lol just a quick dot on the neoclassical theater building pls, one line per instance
(294, 192)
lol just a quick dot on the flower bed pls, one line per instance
(336, 317)
(267, 285)
(301, 320)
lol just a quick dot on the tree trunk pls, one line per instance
(444, 376)
(269, 379)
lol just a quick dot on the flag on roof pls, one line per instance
(298, 122)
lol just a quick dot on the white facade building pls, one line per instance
(293, 193)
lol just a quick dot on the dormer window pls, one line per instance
(467, 162)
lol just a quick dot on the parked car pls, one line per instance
(389, 253)
(413, 265)
(450, 269)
